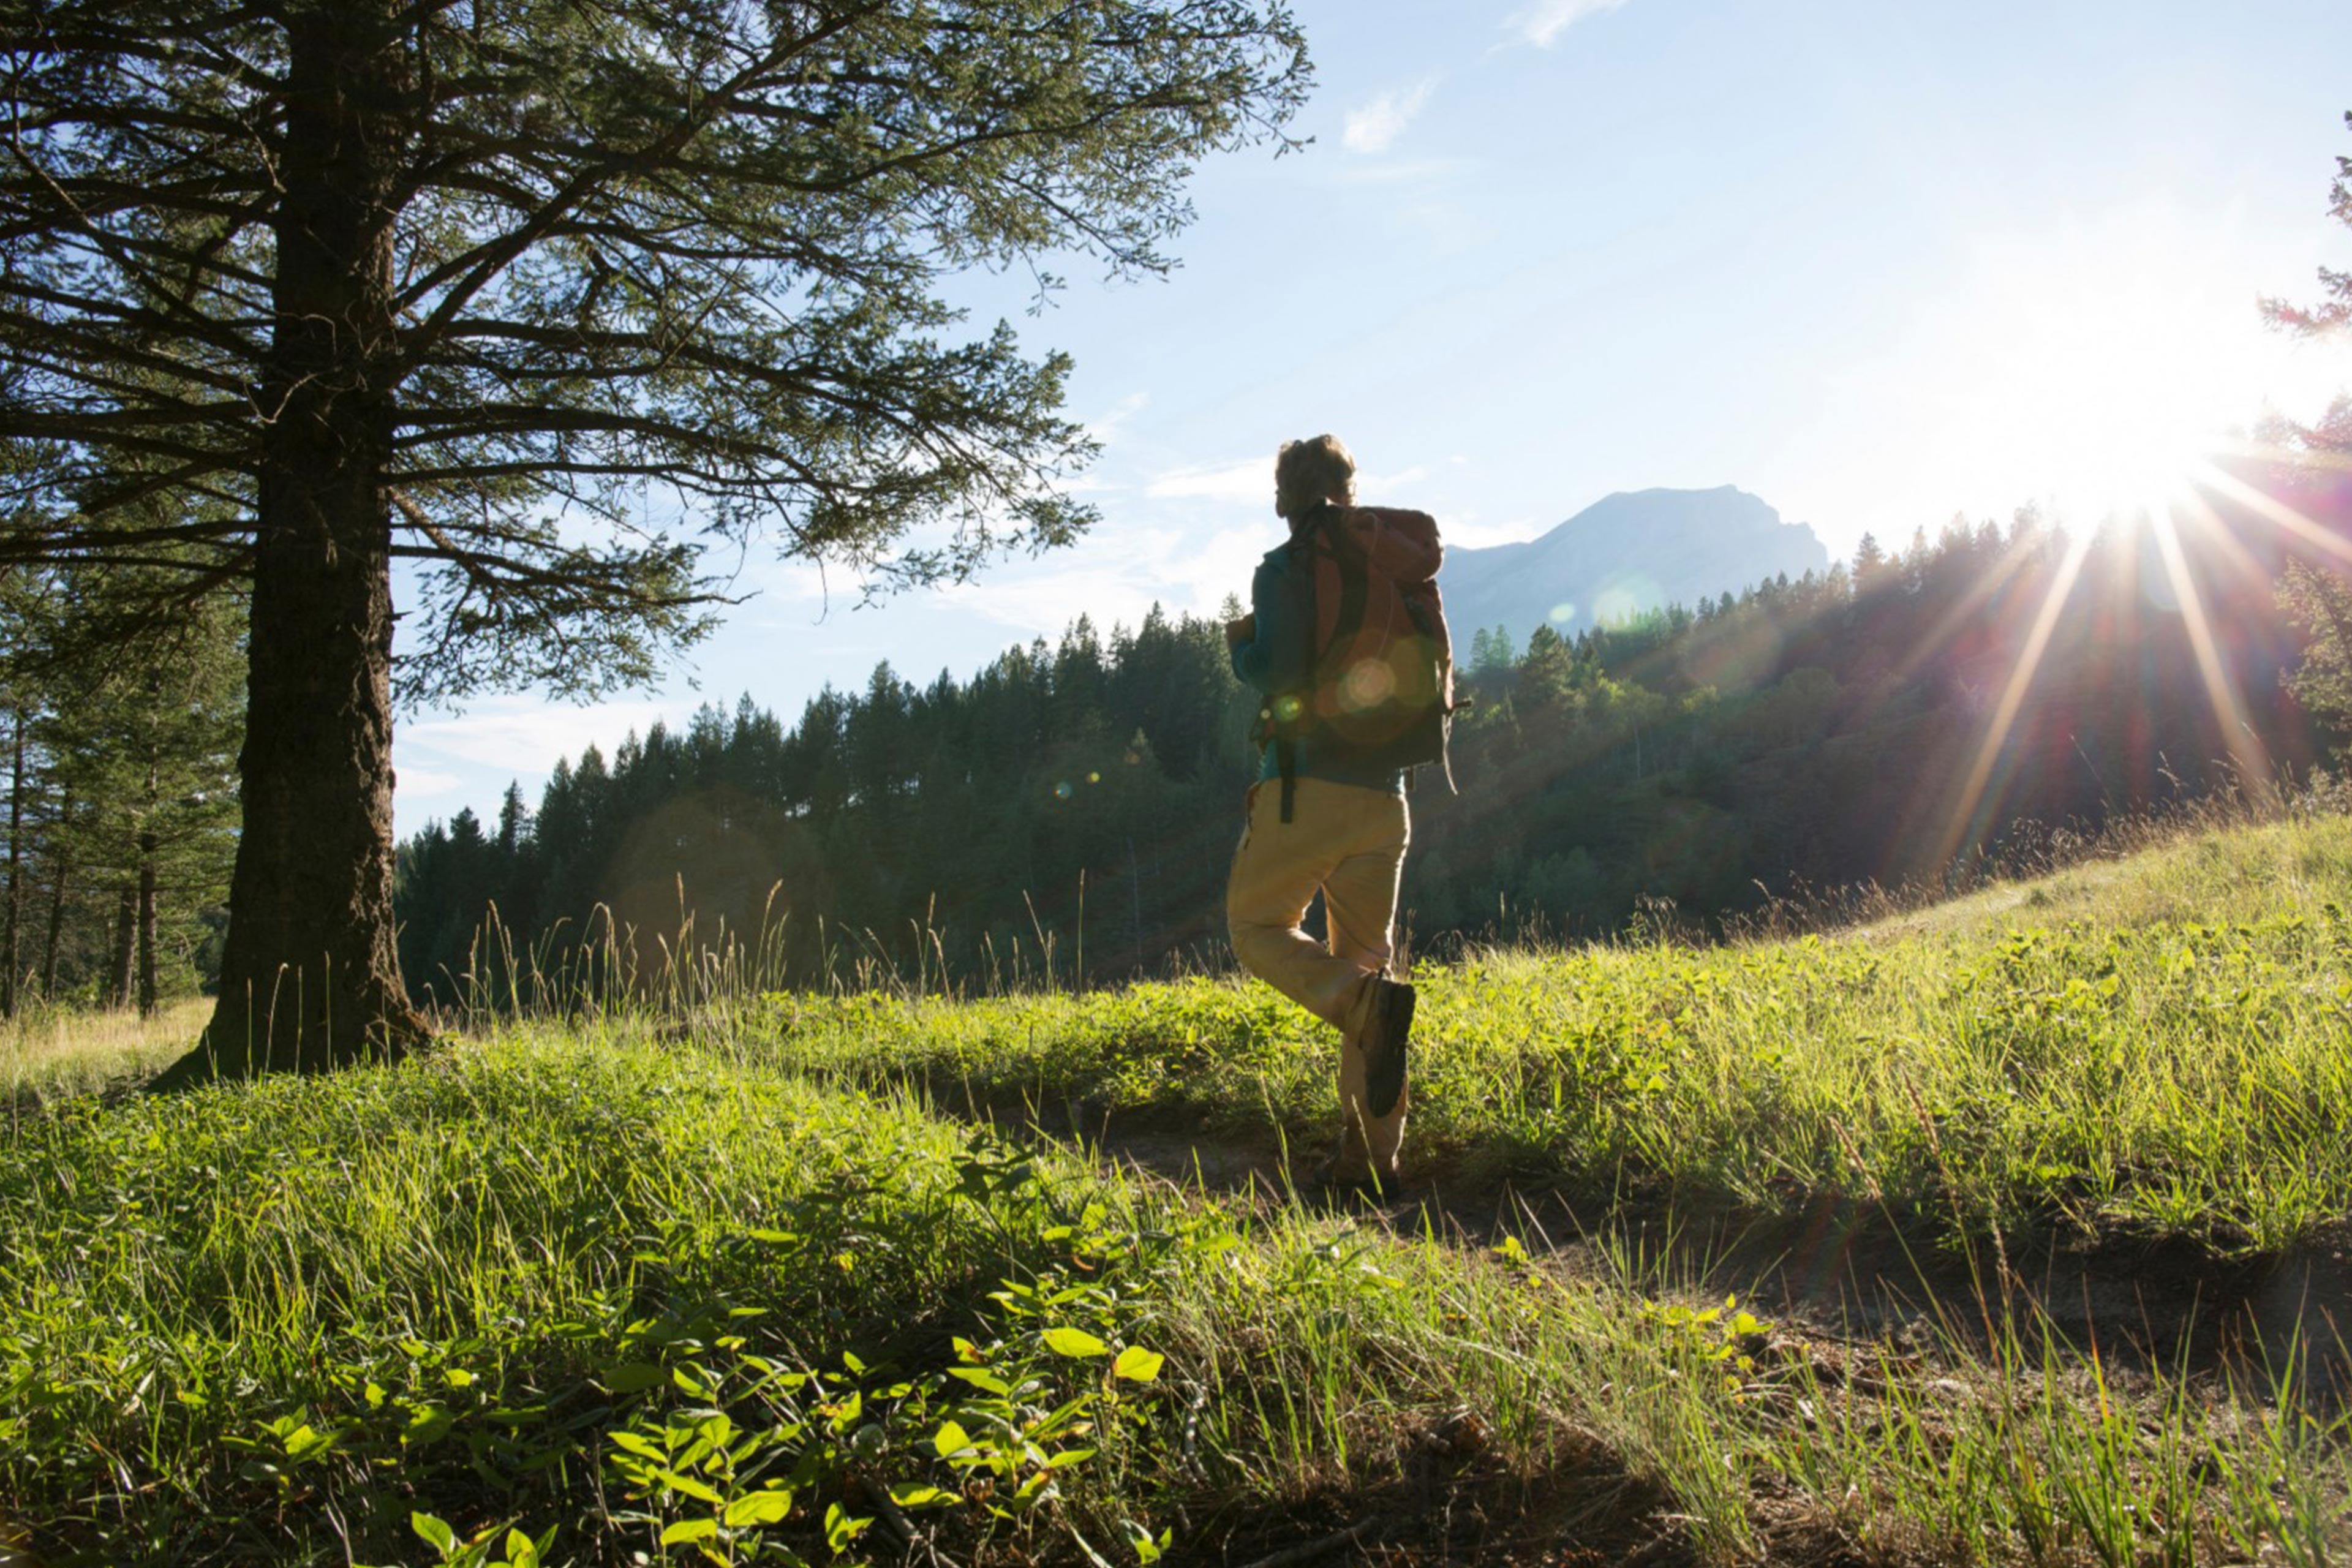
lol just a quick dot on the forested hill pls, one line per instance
(1627, 554)
(1084, 796)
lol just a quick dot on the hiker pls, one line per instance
(1346, 640)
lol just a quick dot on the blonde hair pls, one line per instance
(1307, 473)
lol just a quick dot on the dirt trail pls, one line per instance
(1848, 1271)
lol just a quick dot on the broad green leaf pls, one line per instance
(770, 1507)
(638, 1444)
(306, 1440)
(428, 1425)
(434, 1532)
(986, 1382)
(634, 1377)
(689, 1486)
(840, 1529)
(950, 1439)
(686, 1530)
(1136, 1364)
(1074, 1342)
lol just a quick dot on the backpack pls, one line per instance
(1378, 663)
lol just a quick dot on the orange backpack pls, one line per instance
(1380, 662)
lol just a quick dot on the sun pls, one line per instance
(2128, 445)
(2098, 374)
(2090, 369)
(2116, 384)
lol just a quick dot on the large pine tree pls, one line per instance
(539, 295)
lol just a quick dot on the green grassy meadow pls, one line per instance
(2145, 1050)
(767, 1283)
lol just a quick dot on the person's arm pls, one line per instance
(1255, 663)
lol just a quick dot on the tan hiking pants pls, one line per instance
(1350, 841)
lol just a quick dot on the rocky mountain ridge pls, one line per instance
(1627, 552)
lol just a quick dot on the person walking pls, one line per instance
(1346, 642)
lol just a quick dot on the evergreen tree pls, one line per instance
(469, 286)
(122, 753)
(1869, 561)
(2317, 596)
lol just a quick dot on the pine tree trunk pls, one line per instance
(126, 923)
(56, 913)
(15, 868)
(147, 923)
(309, 978)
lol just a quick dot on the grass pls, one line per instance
(2155, 1049)
(47, 1052)
(573, 1297)
(727, 1288)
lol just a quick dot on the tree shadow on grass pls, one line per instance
(1835, 1267)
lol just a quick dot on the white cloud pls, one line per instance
(1125, 409)
(1248, 480)
(1371, 128)
(1468, 530)
(425, 784)
(1371, 488)
(525, 735)
(1186, 566)
(1252, 480)
(1542, 22)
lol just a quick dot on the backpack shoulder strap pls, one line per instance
(1353, 575)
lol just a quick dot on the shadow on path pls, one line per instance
(1840, 1269)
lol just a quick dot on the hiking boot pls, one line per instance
(1387, 1027)
(1341, 1178)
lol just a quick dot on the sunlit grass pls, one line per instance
(2160, 1047)
(577, 1281)
(699, 1277)
(65, 1050)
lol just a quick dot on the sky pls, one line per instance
(1878, 264)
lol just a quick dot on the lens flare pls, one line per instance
(1367, 685)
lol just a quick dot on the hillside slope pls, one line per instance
(2147, 1049)
(599, 1287)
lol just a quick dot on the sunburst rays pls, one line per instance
(1963, 822)
(2247, 753)
(2210, 605)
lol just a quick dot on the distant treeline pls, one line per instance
(118, 734)
(1075, 804)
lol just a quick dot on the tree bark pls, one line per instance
(58, 883)
(16, 866)
(126, 920)
(147, 923)
(309, 978)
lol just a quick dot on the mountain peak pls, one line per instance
(1630, 552)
